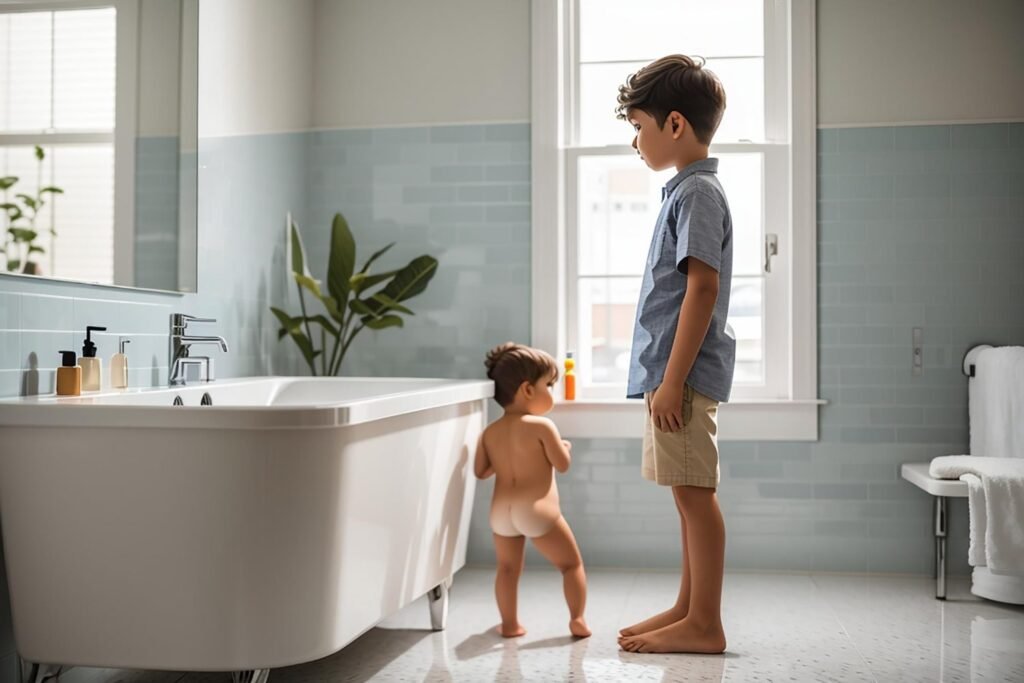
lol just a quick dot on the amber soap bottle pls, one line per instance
(69, 376)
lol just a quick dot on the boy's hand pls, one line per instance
(568, 444)
(667, 409)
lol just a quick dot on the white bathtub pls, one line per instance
(268, 529)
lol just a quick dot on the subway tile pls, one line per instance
(461, 133)
(921, 137)
(980, 136)
(10, 313)
(457, 173)
(43, 312)
(841, 491)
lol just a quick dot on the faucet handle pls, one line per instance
(179, 321)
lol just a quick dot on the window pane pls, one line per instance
(85, 43)
(648, 29)
(746, 317)
(741, 178)
(618, 203)
(743, 80)
(607, 307)
(25, 40)
(82, 217)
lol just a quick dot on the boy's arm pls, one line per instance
(482, 466)
(694, 320)
(555, 448)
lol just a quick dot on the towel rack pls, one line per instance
(968, 364)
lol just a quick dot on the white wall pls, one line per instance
(394, 62)
(919, 61)
(256, 62)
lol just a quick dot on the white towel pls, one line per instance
(997, 524)
(977, 519)
(996, 403)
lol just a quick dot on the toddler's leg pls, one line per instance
(511, 554)
(559, 547)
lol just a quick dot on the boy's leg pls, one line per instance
(701, 630)
(511, 555)
(559, 547)
(682, 606)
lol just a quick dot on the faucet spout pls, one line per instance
(189, 339)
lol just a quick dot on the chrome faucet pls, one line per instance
(179, 358)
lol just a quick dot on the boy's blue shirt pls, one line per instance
(694, 222)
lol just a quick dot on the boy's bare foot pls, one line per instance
(682, 636)
(511, 630)
(669, 616)
(579, 628)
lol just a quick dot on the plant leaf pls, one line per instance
(361, 281)
(376, 255)
(298, 251)
(29, 201)
(8, 181)
(52, 190)
(386, 321)
(342, 259)
(360, 307)
(391, 304)
(409, 282)
(23, 234)
(309, 283)
(40, 154)
(36, 249)
(293, 327)
(325, 323)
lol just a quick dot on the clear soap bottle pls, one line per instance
(119, 366)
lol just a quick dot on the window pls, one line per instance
(57, 89)
(595, 203)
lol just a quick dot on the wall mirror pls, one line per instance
(98, 141)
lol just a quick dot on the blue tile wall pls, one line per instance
(458, 193)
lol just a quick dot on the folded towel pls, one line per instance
(997, 524)
(996, 403)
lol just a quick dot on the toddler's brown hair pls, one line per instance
(510, 364)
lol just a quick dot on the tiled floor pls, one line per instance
(781, 627)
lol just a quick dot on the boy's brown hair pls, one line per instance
(676, 83)
(511, 364)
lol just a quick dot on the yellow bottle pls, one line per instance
(570, 378)
(69, 376)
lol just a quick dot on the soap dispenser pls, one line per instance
(92, 367)
(69, 376)
(119, 366)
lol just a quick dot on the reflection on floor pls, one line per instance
(780, 627)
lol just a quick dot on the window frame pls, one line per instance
(121, 137)
(789, 409)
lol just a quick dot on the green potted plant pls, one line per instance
(353, 301)
(19, 239)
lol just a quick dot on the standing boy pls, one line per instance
(683, 351)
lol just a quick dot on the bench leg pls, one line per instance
(941, 560)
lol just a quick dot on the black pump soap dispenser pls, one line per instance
(92, 367)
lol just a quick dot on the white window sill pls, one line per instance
(740, 420)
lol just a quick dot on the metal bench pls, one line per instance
(943, 489)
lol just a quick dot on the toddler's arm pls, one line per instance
(482, 467)
(555, 448)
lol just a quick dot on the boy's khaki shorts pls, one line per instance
(688, 457)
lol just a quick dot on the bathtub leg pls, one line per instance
(941, 560)
(437, 599)
(30, 672)
(250, 676)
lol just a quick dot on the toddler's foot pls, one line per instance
(511, 630)
(669, 616)
(578, 627)
(682, 636)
